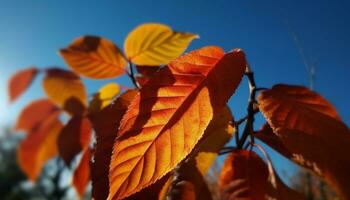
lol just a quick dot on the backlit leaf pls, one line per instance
(74, 137)
(190, 183)
(244, 175)
(310, 128)
(104, 97)
(81, 175)
(155, 44)
(65, 89)
(34, 114)
(169, 116)
(106, 123)
(39, 146)
(94, 57)
(157, 191)
(268, 137)
(20, 81)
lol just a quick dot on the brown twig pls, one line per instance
(248, 129)
(131, 75)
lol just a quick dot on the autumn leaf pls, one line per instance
(74, 137)
(190, 183)
(155, 44)
(39, 146)
(34, 114)
(243, 175)
(94, 57)
(310, 128)
(20, 81)
(217, 134)
(266, 135)
(157, 191)
(169, 116)
(145, 73)
(106, 123)
(81, 175)
(104, 97)
(65, 89)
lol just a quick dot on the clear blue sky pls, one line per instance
(31, 32)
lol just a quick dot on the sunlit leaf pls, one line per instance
(34, 114)
(65, 89)
(74, 137)
(106, 123)
(157, 191)
(243, 175)
(20, 81)
(189, 183)
(39, 146)
(155, 44)
(81, 175)
(94, 57)
(104, 97)
(169, 116)
(310, 128)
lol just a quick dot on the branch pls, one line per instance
(248, 129)
(131, 75)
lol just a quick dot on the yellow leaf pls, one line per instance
(65, 89)
(217, 134)
(104, 97)
(169, 115)
(155, 44)
(94, 57)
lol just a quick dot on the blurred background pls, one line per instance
(296, 42)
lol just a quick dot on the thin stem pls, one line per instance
(248, 129)
(131, 74)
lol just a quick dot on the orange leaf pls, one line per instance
(310, 128)
(34, 113)
(39, 146)
(244, 175)
(94, 57)
(20, 81)
(190, 183)
(81, 175)
(268, 137)
(65, 89)
(170, 114)
(157, 191)
(74, 137)
(106, 123)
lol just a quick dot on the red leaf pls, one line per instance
(20, 81)
(34, 114)
(105, 123)
(81, 176)
(75, 137)
(244, 175)
(39, 146)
